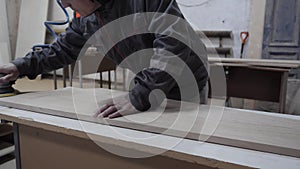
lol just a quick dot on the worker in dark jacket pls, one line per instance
(96, 14)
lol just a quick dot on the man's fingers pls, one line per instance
(116, 114)
(121, 113)
(6, 78)
(2, 80)
(99, 111)
(117, 107)
(108, 111)
(126, 110)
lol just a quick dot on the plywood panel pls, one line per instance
(289, 64)
(4, 35)
(31, 30)
(247, 129)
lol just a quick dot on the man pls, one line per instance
(94, 15)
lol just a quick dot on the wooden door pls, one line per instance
(281, 31)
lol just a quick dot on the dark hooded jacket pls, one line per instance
(69, 44)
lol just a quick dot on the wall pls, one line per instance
(13, 11)
(235, 15)
(55, 13)
(219, 15)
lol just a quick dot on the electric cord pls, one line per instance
(48, 25)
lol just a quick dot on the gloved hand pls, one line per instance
(10, 72)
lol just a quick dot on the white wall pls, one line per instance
(219, 15)
(55, 13)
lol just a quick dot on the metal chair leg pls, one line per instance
(80, 73)
(115, 72)
(109, 80)
(70, 75)
(55, 79)
(101, 80)
(64, 77)
(124, 79)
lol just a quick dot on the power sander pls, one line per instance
(6, 89)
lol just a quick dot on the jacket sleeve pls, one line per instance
(166, 51)
(62, 52)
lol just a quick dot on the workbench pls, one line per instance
(257, 79)
(57, 139)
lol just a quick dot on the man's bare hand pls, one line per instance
(11, 73)
(117, 107)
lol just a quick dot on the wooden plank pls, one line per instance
(213, 155)
(258, 62)
(216, 34)
(31, 25)
(246, 129)
(221, 51)
(5, 52)
(6, 148)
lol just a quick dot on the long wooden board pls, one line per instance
(289, 64)
(260, 131)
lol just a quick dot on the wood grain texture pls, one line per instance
(240, 128)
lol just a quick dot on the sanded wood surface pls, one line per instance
(246, 129)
